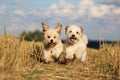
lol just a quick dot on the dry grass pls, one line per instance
(20, 60)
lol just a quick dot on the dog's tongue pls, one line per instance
(51, 43)
(72, 39)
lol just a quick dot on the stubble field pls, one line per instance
(20, 60)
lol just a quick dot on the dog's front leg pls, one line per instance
(70, 53)
(47, 56)
(81, 53)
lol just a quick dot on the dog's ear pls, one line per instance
(58, 28)
(81, 29)
(45, 27)
(66, 28)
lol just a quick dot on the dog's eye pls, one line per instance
(70, 31)
(77, 32)
(48, 36)
(54, 36)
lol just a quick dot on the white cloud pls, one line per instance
(88, 7)
(19, 13)
(68, 10)
(63, 8)
(2, 9)
(99, 11)
(116, 11)
(85, 8)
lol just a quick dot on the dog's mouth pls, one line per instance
(72, 39)
(51, 43)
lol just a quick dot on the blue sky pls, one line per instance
(98, 17)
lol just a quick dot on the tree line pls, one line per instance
(31, 36)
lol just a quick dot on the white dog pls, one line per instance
(53, 46)
(76, 43)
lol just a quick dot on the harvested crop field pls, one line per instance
(20, 60)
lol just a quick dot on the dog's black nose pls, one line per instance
(73, 35)
(51, 41)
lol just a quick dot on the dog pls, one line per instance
(53, 46)
(76, 43)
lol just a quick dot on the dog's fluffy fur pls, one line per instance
(53, 46)
(76, 43)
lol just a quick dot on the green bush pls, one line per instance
(31, 36)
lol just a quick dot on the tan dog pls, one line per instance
(53, 46)
(76, 43)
